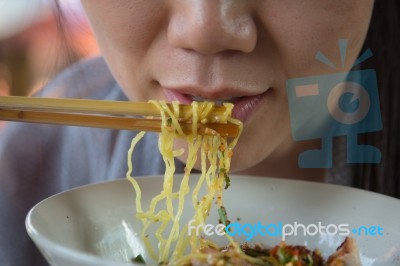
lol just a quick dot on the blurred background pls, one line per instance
(38, 38)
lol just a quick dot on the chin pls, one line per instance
(241, 162)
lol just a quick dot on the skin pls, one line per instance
(224, 48)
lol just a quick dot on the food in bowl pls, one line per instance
(280, 255)
(215, 153)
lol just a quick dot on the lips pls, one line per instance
(244, 106)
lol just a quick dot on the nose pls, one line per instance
(212, 26)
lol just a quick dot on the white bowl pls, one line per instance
(96, 225)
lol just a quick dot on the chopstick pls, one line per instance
(91, 113)
(91, 106)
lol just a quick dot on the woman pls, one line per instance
(237, 51)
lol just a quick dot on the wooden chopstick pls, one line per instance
(22, 113)
(91, 106)
(112, 122)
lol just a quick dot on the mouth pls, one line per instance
(244, 106)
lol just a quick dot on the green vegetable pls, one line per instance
(310, 260)
(223, 218)
(169, 121)
(283, 257)
(138, 259)
(226, 177)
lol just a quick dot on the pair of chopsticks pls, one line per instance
(121, 115)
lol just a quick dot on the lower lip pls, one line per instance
(242, 110)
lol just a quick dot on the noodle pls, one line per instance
(175, 245)
(215, 157)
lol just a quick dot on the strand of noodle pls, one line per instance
(195, 195)
(207, 109)
(195, 117)
(228, 111)
(146, 240)
(212, 159)
(187, 115)
(136, 186)
(222, 165)
(164, 193)
(174, 233)
(235, 140)
(175, 108)
(159, 232)
(134, 183)
(213, 156)
(168, 157)
(181, 244)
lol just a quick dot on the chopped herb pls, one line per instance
(310, 260)
(138, 259)
(256, 253)
(282, 255)
(226, 177)
(169, 121)
(223, 217)
(227, 181)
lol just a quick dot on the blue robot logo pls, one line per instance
(342, 104)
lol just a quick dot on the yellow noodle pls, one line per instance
(215, 153)
(135, 140)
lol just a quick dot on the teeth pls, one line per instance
(198, 99)
(217, 101)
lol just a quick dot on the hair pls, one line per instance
(383, 39)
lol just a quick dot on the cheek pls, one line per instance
(300, 29)
(125, 39)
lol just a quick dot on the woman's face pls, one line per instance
(241, 51)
